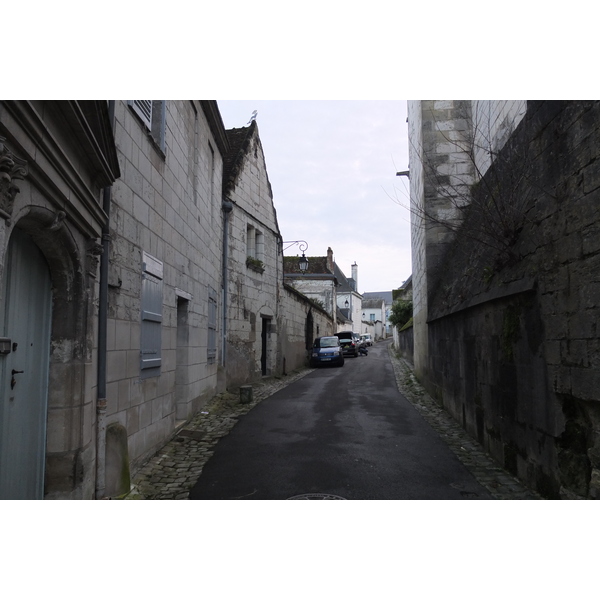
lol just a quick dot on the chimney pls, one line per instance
(330, 259)
(354, 268)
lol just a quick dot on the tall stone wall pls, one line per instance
(167, 205)
(493, 122)
(512, 339)
(299, 323)
(451, 145)
(253, 290)
(320, 290)
(51, 180)
(419, 263)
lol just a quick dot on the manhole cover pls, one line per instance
(316, 497)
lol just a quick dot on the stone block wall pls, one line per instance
(166, 204)
(513, 343)
(51, 190)
(320, 290)
(451, 143)
(253, 290)
(300, 321)
(404, 343)
(419, 264)
(493, 121)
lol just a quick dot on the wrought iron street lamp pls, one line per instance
(303, 246)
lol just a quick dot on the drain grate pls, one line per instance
(316, 497)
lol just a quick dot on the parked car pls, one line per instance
(326, 350)
(368, 339)
(348, 343)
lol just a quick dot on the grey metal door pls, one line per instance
(25, 319)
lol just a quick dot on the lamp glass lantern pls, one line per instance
(303, 263)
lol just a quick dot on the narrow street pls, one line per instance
(337, 433)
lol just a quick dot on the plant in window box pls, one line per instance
(255, 264)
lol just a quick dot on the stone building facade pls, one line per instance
(142, 272)
(57, 159)
(165, 274)
(253, 264)
(300, 321)
(318, 282)
(268, 326)
(506, 301)
(374, 318)
(349, 301)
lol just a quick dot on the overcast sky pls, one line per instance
(332, 167)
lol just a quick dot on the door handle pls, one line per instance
(13, 381)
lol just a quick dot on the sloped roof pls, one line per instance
(239, 145)
(372, 302)
(385, 296)
(239, 141)
(346, 284)
(317, 265)
(340, 317)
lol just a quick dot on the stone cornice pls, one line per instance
(512, 288)
(45, 155)
(215, 122)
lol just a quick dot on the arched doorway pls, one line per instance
(25, 319)
(309, 331)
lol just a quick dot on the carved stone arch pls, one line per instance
(72, 339)
(309, 330)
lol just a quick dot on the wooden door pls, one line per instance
(25, 318)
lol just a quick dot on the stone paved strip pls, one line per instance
(172, 472)
(500, 483)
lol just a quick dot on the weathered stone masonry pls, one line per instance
(512, 338)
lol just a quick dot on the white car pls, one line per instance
(367, 339)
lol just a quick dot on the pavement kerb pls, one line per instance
(501, 484)
(172, 472)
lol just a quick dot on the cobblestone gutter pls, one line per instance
(172, 472)
(500, 483)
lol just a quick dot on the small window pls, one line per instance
(212, 326)
(143, 109)
(372, 317)
(250, 241)
(153, 116)
(151, 316)
(259, 240)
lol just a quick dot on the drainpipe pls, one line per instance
(227, 207)
(102, 327)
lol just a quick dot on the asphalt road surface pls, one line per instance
(338, 432)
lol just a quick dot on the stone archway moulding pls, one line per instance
(11, 170)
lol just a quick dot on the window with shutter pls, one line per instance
(212, 326)
(151, 317)
(143, 109)
(153, 114)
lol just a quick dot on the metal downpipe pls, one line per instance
(102, 340)
(227, 207)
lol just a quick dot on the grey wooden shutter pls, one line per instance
(151, 317)
(143, 109)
